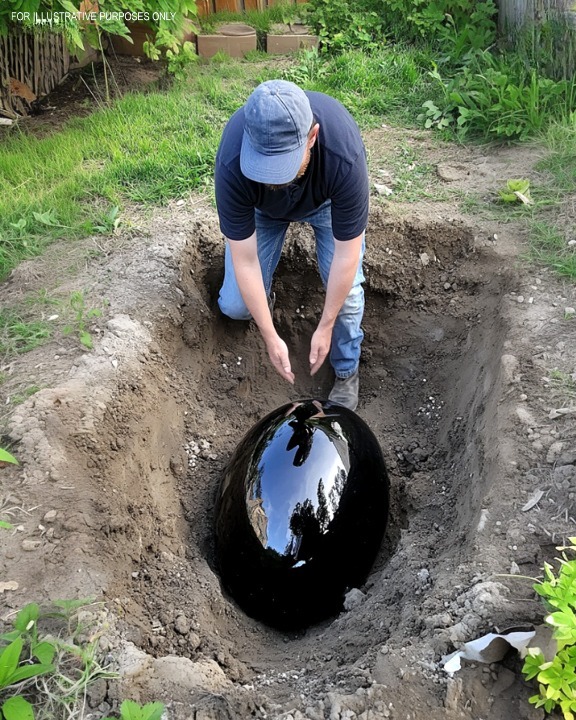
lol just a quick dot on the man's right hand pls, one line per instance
(278, 353)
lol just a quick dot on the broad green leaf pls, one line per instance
(46, 218)
(28, 671)
(17, 708)
(44, 651)
(9, 660)
(7, 458)
(6, 525)
(29, 614)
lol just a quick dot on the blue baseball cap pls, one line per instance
(277, 119)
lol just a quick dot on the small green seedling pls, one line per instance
(516, 191)
(81, 315)
(129, 710)
(557, 677)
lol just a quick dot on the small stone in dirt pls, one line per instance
(423, 576)
(353, 599)
(447, 286)
(567, 458)
(569, 311)
(383, 189)
(554, 452)
(194, 641)
(96, 692)
(520, 298)
(31, 545)
(50, 516)
(182, 625)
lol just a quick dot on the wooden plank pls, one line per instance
(231, 5)
(37, 66)
(205, 7)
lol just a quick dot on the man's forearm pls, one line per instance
(341, 278)
(250, 283)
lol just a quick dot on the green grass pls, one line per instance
(19, 334)
(389, 85)
(146, 147)
(152, 147)
(27, 392)
(260, 20)
(549, 241)
(548, 245)
(560, 164)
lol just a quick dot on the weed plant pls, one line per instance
(556, 676)
(47, 663)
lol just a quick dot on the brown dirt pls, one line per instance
(127, 444)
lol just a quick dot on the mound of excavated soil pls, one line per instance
(123, 448)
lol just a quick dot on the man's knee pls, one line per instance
(234, 310)
(354, 302)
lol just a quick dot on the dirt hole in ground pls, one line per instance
(434, 337)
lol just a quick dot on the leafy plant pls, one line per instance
(86, 26)
(557, 677)
(342, 25)
(110, 221)
(55, 687)
(15, 665)
(309, 69)
(129, 710)
(82, 314)
(496, 96)
(516, 191)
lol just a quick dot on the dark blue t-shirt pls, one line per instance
(337, 172)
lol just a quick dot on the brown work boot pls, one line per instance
(345, 391)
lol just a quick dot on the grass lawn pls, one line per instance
(151, 147)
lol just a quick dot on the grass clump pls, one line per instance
(388, 84)
(19, 334)
(48, 663)
(50, 659)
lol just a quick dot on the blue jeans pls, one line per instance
(347, 335)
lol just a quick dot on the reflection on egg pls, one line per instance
(301, 513)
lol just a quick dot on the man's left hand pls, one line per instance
(319, 347)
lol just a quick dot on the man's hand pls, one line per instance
(319, 347)
(278, 352)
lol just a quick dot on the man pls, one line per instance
(290, 155)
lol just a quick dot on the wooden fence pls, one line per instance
(208, 7)
(38, 60)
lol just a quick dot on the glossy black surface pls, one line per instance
(301, 513)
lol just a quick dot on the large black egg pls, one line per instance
(301, 513)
